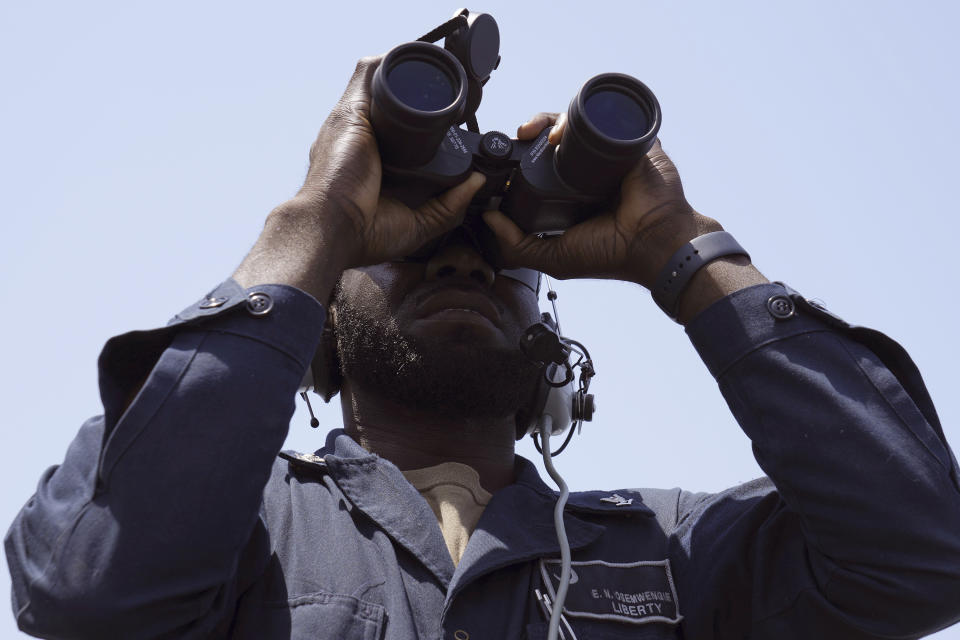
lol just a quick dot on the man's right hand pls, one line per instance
(339, 219)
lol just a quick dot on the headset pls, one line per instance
(559, 392)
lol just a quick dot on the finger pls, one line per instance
(358, 89)
(446, 211)
(532, 128)
(655, 158)
(506, 230)
(656, 152)
(557, 132)
(517, 248)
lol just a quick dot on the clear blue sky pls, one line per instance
(142, 144)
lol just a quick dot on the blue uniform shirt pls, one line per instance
(172, 515)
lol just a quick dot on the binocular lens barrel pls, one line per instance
(611, 124)
(417, 93)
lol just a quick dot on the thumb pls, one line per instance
(516, 247)
(445, 212)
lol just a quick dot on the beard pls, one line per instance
(452, 377)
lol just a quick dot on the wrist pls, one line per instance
(663, 236)
(701, 271)
(714, 281)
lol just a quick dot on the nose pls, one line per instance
(458, 260)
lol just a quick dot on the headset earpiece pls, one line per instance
(323, 375)
(539, 343)
(555, 394)
(527, 415)
(326, 366)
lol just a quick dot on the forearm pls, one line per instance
(139, 531)
(854, 449)
(300, 246)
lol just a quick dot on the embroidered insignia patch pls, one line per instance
(635, 592)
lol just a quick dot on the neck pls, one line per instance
(414, 439)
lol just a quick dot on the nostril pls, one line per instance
(446, 270)
(479, 276)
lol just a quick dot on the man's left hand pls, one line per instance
(632, 243)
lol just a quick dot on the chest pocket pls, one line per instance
(325, 616)
(613, 600)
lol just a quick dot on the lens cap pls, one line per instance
(477, 46)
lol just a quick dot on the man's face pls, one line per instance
(441, 336)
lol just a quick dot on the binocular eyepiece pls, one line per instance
(422, 92)
(611, 124)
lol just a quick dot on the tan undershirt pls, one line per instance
(453, 491)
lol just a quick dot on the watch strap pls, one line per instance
(676, 274)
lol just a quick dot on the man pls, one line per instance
(172, 516)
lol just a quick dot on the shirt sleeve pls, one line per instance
(861, 536)
(139, 533)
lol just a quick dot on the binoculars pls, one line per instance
(421, 92)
